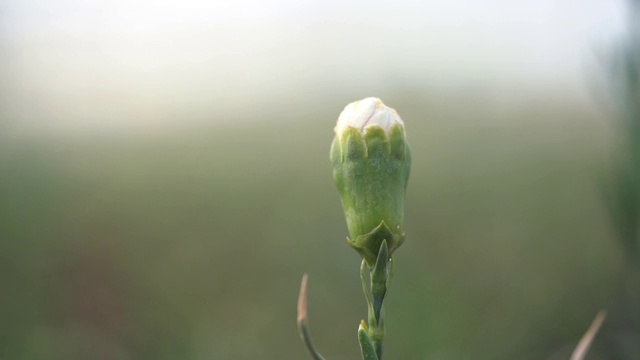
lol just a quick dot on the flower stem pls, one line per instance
(375, 290)
(303, 325)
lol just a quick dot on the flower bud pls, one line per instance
(371, 163)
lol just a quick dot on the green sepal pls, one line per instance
(377, 142)
(353, 145)
(397, 145)
(335, 153)
(369, 245)
(366, 345)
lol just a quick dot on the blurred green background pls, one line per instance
(144, 215)
(191, 244)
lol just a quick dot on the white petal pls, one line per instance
(367, 112)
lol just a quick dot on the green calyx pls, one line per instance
(371, 169)
(368, 245)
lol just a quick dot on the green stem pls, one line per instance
(378, 347)
(367, 291)
(375, 290)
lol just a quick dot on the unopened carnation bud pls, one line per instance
(371, 163)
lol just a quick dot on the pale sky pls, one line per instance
(91, 63)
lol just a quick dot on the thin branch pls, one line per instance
(303, 325)
(585, 343)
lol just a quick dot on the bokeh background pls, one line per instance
(165, 182)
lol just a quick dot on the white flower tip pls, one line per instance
(367, 112)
